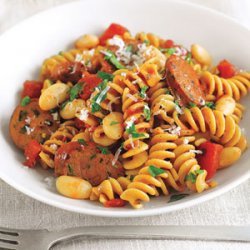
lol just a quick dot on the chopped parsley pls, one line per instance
(105, 76)
(169, 51)
(192, 176)
(74, 91)
(82, 141)
(104, 150)
(146, 112)
(132, 131)
(177, 103)
(210, 105)
(188, 57)
(176, 197)
(131, 177)
(113, 123)
(70, 169)
(191, 105)
(22, 115)
(129, 48)
(143, 90)
(147, 42)
(99, 97)
(25, 101)
(92, 156)
(109, 56)
(154, 171)
(168, 92)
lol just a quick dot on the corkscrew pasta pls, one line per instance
(122, 119)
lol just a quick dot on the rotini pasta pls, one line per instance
(123, 118)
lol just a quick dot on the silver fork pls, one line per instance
(44, 239)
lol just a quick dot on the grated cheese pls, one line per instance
(78, 58)
(28, 120)
(131, 141)
(63, 156)
(123, 74)
(117, 154)
(174, 130)
(199, 152)
(178, 109)
(133, 98)
(29, 130)
(83, 116)
(102, 94)
(55, 116)
(185, 141)
(130, 122)
(53, 146)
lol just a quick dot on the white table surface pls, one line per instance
(20, 211)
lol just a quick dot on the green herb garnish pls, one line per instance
(147, 42)
(22, 115)
(70, 169)
(143, 92)
(105, 76)
(176, 197)
(211, 105)
(109, 55)
(154, 171)
(169, 51)
(129, 48)
(113, 123)
(188, 57)
(191, 105)
(96, 100)
(131, 177)
(74, 91)
(104, 150)
(146, 112)
(64, 104)
(25, 101)
(82, 141)
(200, 171)
(192, 176)
(132, 131)
(92, 156)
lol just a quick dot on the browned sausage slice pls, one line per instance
(87, 162)
(184, 81)
(30, 122)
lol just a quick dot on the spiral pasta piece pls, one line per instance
(109, 189)
(186, 164)
(161, 102)
(64, 134)
(237, 86)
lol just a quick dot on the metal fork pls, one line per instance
(44, 239)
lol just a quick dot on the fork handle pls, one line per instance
(216, 233)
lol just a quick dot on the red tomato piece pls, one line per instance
(32, 89)
(210, 158)
(226, 69)
(31, 153)
(113, 29)
(115, 203)
(168, 44)
(90, 82)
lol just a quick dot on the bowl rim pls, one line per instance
(131, 212)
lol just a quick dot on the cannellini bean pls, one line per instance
(112, 125)
(73, 187)
(87, 42)
(71, 108)
(201, 55)
(53, 95)
(229, 156)
(226, 104)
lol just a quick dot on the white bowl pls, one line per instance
(24, 47)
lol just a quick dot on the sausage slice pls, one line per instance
(86, 161)
(183, 80)
(31, 123)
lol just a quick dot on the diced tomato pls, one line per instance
(226, 69)
(168, 44)
(31, 153)
(210, 158)
(32, 89)
(115, 203)
(90, 82)
(113, 29)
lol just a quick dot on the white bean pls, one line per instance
(53, 95)
(87, 42)
(71, 108)
(229, 156)
(201, 55)
(73, 187)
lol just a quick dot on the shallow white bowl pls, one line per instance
(24, 47)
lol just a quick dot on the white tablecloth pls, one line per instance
(20, 211)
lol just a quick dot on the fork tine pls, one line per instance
(8, 231)
(8, 237)
(6, 245)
